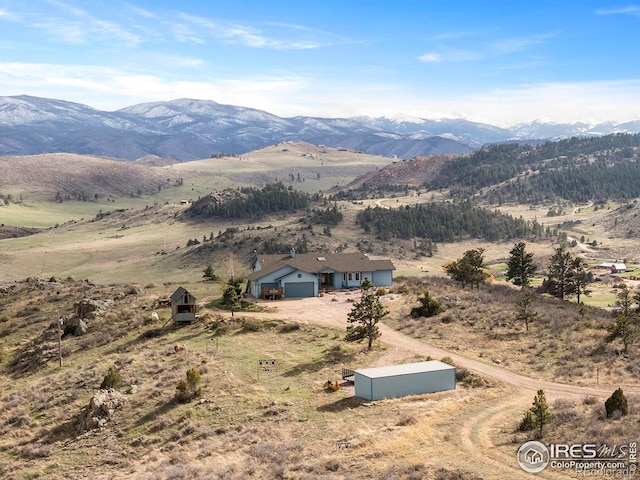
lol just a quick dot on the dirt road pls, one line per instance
(478, 427)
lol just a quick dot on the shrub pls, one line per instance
(289, 327)
(617, 402)
(448, 361)
(190, 388)
(526, 424)
(112, 379)
(428, 307)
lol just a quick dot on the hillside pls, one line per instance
(77, 177)
(414, 173)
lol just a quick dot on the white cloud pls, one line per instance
(630, 10)
(76, 26)
(430, 57)
(249, 36)
(506, 46)
(112, 88)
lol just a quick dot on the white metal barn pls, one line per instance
(407, 379)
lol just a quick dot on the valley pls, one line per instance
(132, 241)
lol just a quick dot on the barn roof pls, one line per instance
(404, 369)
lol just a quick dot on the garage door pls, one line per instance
(302, 289)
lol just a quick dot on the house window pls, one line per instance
(350, 276)
(344, 277)
(358, 276)
(299, 275)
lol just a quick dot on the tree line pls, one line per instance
(446, 222)
(564, 169)
(251, 202)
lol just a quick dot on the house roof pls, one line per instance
(404, 369)
(178, 294)
(320, 262)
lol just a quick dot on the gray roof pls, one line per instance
(404, 369)
(178, 294)
(321, 262)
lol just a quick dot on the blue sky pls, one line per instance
(500, 62)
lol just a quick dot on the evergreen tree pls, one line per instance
(559, 282)
(208, 274)
(580, 277)
(520, 267)
(231, 298)
(540, 411)
(428, 307)
(617, 402)
(469, 269)
(364, 316)
(625, 326)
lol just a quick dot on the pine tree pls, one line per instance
(231, 298)
(520, 267)
(559, 274)
(365, 315)
(540, 411)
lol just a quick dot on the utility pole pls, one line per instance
(59, 322)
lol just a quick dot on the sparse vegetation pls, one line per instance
(112, 379)
(190, 388)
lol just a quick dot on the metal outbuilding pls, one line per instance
(406, 379)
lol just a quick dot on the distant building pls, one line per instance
(618, 268)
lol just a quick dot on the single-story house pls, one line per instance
(183, 306)
(405, 379)
(308, 274)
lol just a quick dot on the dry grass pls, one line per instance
(283, 424)
(481, 324)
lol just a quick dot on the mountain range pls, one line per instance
(188, 129)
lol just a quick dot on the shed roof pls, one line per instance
(178, 294)
(405, 369)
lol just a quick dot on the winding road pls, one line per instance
(478, 426)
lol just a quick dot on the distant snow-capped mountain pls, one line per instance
(188, 129)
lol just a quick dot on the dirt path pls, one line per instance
(478, 426)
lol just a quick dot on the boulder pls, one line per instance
(100, 410)
(89, 308)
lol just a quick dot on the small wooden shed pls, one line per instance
(183, 306)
